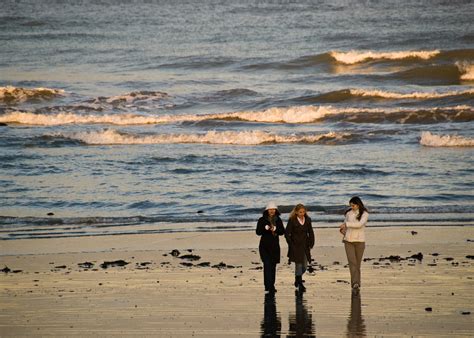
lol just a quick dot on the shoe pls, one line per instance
(301, 288)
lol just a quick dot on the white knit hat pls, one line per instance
(271, 205)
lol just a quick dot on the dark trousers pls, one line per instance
(269, 274)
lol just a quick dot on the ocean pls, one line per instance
(138, 117)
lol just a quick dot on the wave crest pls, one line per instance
(431, 140)
(355, 56)
(288, 115)
(15, 95)
(256, 137)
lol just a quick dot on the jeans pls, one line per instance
(300, 268)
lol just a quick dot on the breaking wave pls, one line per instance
(288, 115)
(15, 95)
(431, 140)
(355, 56)
(352, 93)
(257, 137)
(466, 69)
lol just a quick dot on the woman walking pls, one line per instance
(353, 230)
(299, 235)
(269, 227)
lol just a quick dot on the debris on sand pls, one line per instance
(190, 257)
(119, 262)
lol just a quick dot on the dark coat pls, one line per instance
(300, 239)
(269, 247)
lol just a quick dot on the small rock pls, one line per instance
(60, 267)
(428, 309)
(414, 233)
(204, 264)
(175, 253)
(435, 254)
(199, 211)
(466, 312)
(186, 264)
(6, 269)
(50, 214)
(470, 256)
(449, 259)
(3, 124)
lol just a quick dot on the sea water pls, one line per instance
(123, 117)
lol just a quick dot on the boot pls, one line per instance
(301, 287)
(297, 283)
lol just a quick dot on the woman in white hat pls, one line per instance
(269, 227)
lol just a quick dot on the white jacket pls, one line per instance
(355, 229)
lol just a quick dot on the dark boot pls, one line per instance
(301, 287)
(297, 283)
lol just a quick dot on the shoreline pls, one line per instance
(218, 289)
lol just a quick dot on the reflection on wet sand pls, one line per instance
(301, 322)
(271, 322)
(355, 322)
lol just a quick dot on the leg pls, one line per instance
(352, 260)
(273, 276)
(267, 274)
(359, 253)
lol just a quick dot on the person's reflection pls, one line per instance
(301, 322)
(355, 322)
(271, 322)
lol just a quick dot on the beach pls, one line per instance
(140, 285)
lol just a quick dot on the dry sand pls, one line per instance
(156, 295)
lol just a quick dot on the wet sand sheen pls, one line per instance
(154, 294)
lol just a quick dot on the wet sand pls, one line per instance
(135, 286)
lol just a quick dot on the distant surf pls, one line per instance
(432, 140)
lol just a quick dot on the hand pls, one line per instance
(343, 228)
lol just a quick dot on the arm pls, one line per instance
(288, 232)
(260, 227)
(310, 235)
(359, 224)
(280, 230)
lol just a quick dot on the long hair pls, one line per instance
(362, 208)
(297, 208)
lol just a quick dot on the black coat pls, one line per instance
(269, 247)
(300, 239)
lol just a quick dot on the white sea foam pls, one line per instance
(413, 95)
(301, 114)
(431, 140)
(17, 94)
(290, 115)
(256, 137)
(355, 56)
(466, 69)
